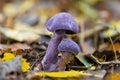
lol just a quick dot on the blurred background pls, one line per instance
(24, 20)
(23, 29)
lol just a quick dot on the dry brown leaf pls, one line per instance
(17, 46)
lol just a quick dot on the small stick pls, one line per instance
(113, 48)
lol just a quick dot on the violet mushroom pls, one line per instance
(68, 49)
(60, 24)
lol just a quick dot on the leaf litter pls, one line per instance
(24, 39)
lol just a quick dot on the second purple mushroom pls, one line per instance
(60, 24)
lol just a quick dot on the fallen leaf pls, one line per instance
(115, 45)
(17, 46)
(113, 30)
(19, 36)
(83, 60)
(25, 65)
(10, 56)
(19, 26)
(65, 74)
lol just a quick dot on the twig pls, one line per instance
(113, 49)
(104, 63)
(77, 67)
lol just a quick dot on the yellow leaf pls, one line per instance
(110, 33)
(9, 56)
(66, 74)
(93, 68)
(25, 65)
(62, 74)
(114, 30)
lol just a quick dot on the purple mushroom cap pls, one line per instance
(63, 21)
(69, 45)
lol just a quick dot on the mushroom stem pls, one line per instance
(63, 60)
(52, 51)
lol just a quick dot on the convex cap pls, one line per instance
(63, 21)
(69, 45)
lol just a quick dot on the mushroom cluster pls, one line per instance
(60, 24)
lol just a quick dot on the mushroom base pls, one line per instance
(63, 61)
